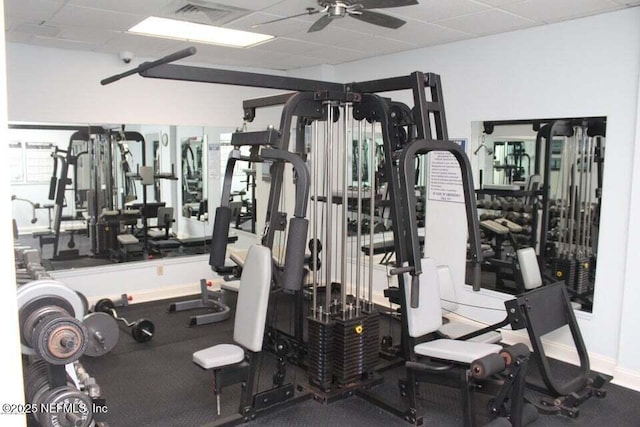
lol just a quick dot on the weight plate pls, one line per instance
(103, 333)
(60, 340)
(139, 328)
(67, 397)
(47, 287)
(104, 305)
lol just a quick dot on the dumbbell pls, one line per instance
(141, 330)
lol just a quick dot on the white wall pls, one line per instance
(585, 67)
(12, 386)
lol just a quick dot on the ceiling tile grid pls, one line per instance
(101, 26)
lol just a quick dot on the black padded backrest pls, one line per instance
(546, 308)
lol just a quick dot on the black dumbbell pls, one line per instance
(142, 330)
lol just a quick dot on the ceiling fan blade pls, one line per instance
(383, 4)
(380, 19)
(320, 23)
(310, 11)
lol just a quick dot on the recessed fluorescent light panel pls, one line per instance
(189, 31)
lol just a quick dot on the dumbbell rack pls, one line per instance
(518, 206)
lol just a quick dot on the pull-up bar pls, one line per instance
(147, 65)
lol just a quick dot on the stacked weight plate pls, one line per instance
(565, 269)
(320, 353)
(581, 284)
(349, 348)
(372, 341)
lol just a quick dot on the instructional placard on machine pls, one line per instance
(445, 177)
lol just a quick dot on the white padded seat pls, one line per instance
(155, 233)
(232, 286)
(455, 330)
(238, 256)
(218, 356)
(528, 262)
(127, 239)
(456, 351)
(251, 313)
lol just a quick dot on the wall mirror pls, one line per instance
(539, 185)
(157, 184)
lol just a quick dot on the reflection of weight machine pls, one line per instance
(513, 153)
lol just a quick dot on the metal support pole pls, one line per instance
(372, 206)
(345, 203)
(329, 204)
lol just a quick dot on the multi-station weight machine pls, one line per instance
(336, 323)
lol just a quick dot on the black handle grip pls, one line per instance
(146, 65)
(401, 270)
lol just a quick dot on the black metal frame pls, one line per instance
(310, 104)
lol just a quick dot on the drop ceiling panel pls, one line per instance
(294, 7)
(92, 35)
(62, 44)
(142, 7)
(285, 45)
(548, 11)
(140, 45)
(32, 10)
(244, 4)
(436, 10)
(379, 45)
(330, 36)
(422, 34)
(282, 28)
(488, 22)
(336, 55)
(95, 18)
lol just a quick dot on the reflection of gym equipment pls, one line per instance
(243, 210)
(213, 300)
(191, 171)
(34, 206)
(513, 153)
(141, 330)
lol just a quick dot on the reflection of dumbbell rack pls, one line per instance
(518, 206)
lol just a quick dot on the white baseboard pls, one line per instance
(160, 293)
(626, 378)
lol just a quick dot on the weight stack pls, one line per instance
(565, 269)
(581, 284)
(372, 341)
(320, 353)
(349, 346)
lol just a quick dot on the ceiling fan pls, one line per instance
(358, 9)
